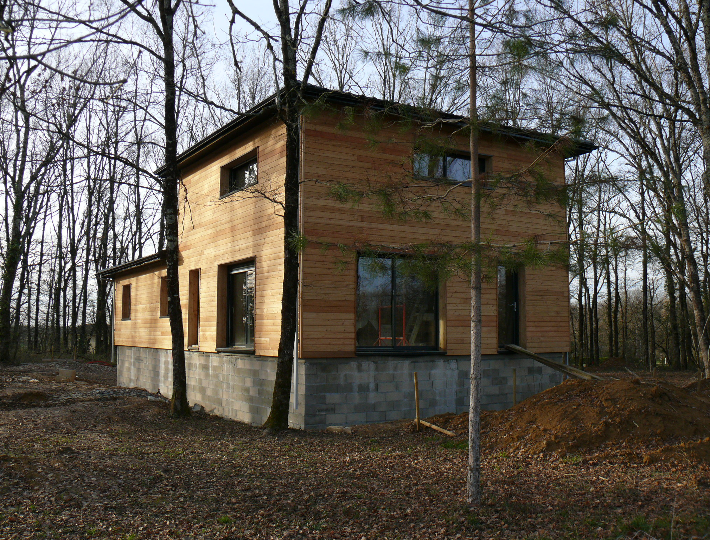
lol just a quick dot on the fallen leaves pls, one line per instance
(121, 468)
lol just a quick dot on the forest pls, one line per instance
(83, 96)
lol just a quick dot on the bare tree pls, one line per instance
(289, 99)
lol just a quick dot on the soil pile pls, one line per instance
(659, 420)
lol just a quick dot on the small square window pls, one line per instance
(126, 302)
(240, 174)
(164, 296)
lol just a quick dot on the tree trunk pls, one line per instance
(473, 484)
(178, 403)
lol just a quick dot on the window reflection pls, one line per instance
(395, 307)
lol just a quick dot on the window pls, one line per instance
(508, 307)
(164, 296)
(193, 304)
(240, 306)
(397, 307)
(240, 174)
(126, 302)
(456, 168)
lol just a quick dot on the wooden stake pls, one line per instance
(437, 428)
(416, 399)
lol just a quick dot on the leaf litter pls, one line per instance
(112, 463)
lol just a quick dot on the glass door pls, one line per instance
(240, 306)
(508, 308)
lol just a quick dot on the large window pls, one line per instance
(453, 167)
(396, 305)
(240, 306)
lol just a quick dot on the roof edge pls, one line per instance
(149, 260)
(266, 108)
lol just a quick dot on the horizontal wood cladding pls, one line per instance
(366, 159)
(217, 231)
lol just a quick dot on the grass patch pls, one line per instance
(637, 524)
(455, 445)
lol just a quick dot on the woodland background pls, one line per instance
(81, 137)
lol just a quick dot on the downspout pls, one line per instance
(300, 268)
(113, 321)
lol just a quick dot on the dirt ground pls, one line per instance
(85, 459)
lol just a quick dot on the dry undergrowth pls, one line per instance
(102, 465)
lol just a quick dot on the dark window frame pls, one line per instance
(249, 345)
(227, 172)
(164, 313)
(510, 290)
(484, 164)
(400, 349)
(126, 302)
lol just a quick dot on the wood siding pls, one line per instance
(363, 158)
(216, 232)
(219, 231)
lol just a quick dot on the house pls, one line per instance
(365, 322)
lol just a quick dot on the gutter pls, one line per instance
(267, 109)
(150, 260)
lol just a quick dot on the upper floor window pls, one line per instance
(453, 167)
(240, 174)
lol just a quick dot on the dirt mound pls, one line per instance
(581, 415)
(701, 387)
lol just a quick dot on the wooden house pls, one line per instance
(366, 320)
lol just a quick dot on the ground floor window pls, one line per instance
(240, 306)
(397, 305)
(508, 307)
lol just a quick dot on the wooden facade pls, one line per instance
(220, 230)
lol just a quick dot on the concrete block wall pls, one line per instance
(379, 389)
(337, 391)
(233, 386)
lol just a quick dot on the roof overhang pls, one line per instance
(267, 110)
(156, 260)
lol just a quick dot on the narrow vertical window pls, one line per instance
(396, 307)
(508, 307)
(240, 306)
(163, 296)
(193, 303)
(126, 302)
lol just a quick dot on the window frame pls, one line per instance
(194, 284)
(226, 172)
(399, 349)
(503, 291)
(164, 313)
(229, 345)
(483, 159)
(126, 302)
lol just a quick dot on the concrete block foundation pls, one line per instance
(337, 391)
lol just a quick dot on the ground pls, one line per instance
(84, 459)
